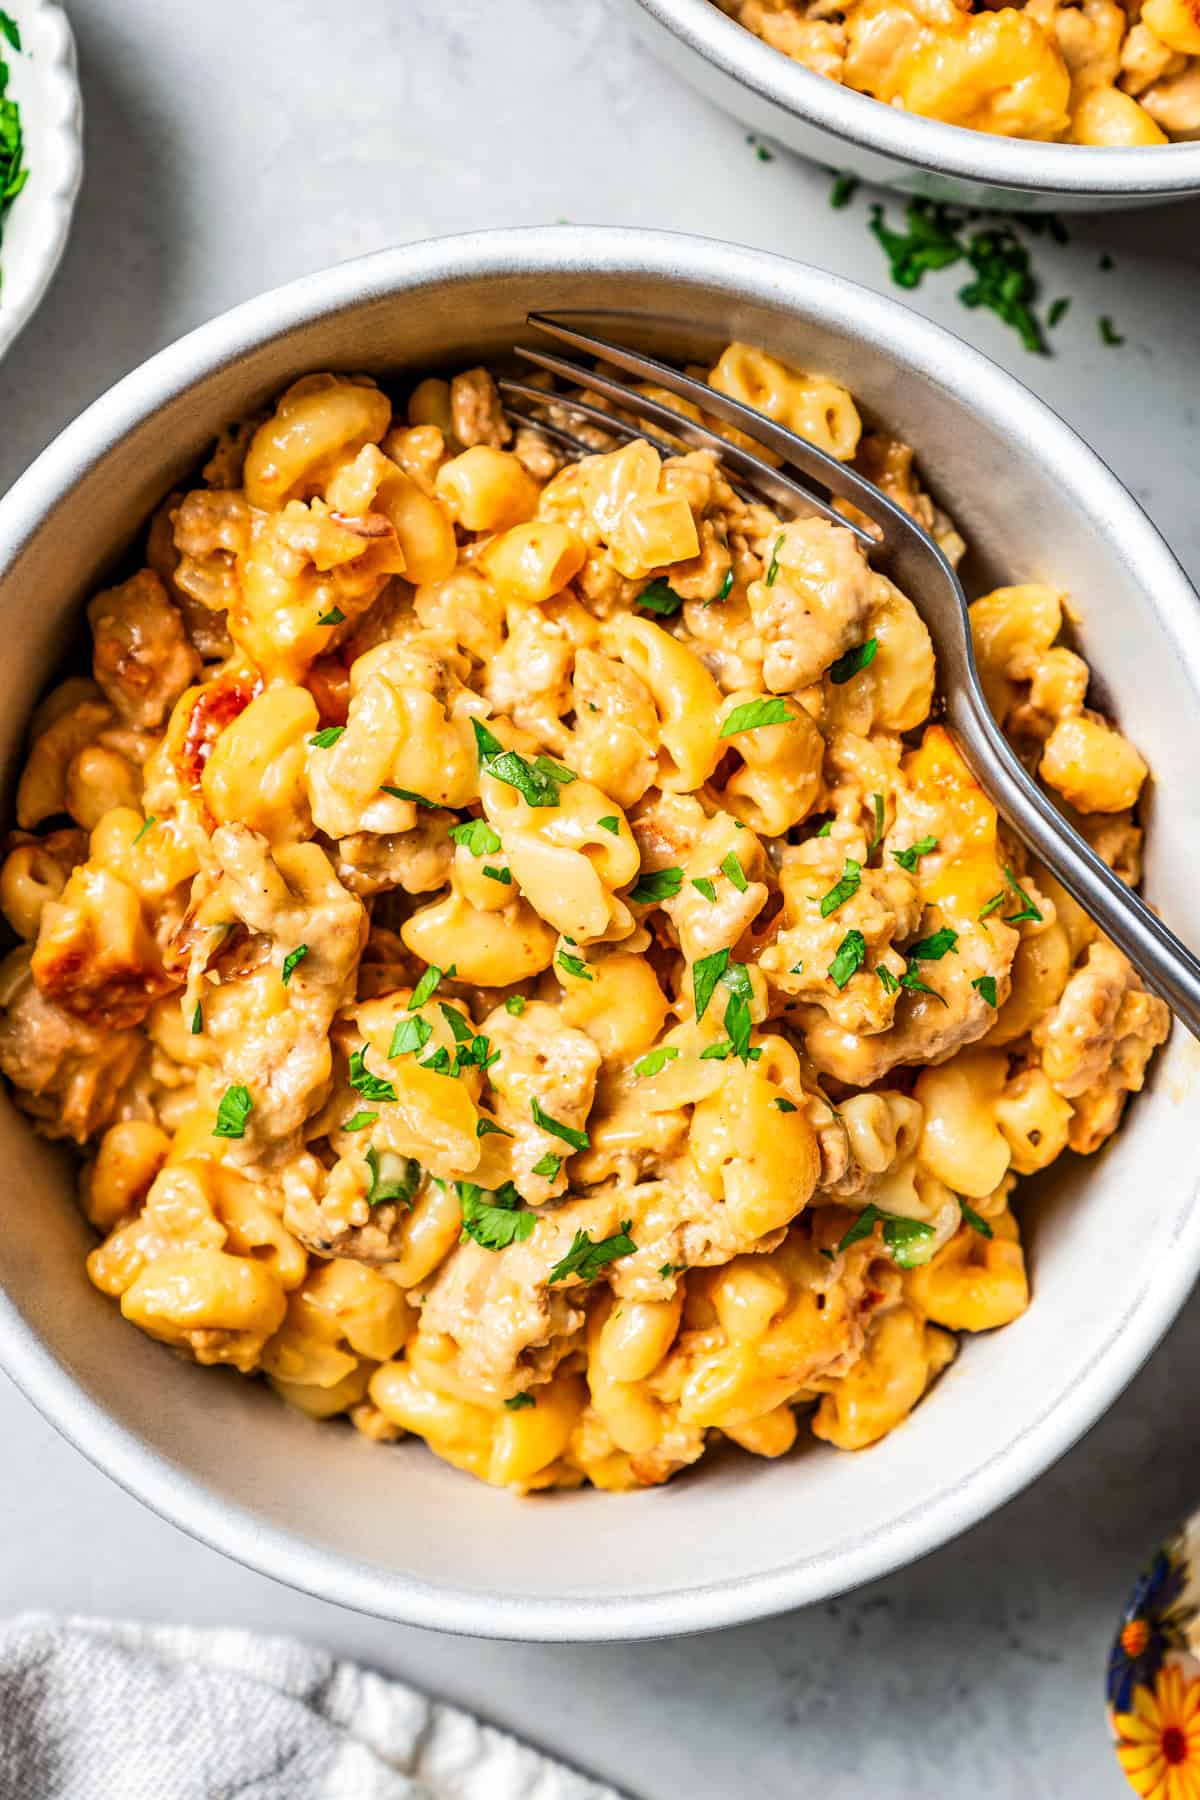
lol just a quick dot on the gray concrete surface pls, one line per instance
(232, 146)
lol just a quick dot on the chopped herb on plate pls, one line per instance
(853, 662)
(752, 715)
(586, 1258)
(233, 1110)
(659, 597)
(656, 884)
(494, 1218)
(842, 890)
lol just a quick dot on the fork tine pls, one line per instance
(555, 433)
(817, 464)
(777, 487)
(593, 414)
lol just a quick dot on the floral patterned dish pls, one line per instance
(1153, 1684)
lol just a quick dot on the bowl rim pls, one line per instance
(930, 352)
(1144, 172)
(46, 30)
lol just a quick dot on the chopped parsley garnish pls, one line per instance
(145, 828)
(292, 960)
(1004, 283)
(488, 1128)
(842, 890)
(705, 975)
(844, 188)
(853, 662)
(936, 238)
(1108, 332)
(732, 867)
(399, 793)
(752, 715)
(13, 173)
(411, 1034)
(326, 739)
(486, 742)
(1057, 313)
(972, 1218)
(908, 858)
(907, 1239)
(503, 876)
(726, 587)
(659, 597)
(371, 1087)
(460, 1030)
(477, 836)
(578, 1140)
(656, 1060)
(763, 154)
(782, 1104)
(887, 980)
(913, 981)
(393, 1177)
(985, 987)
(704, 886)
(438, 1060)
(519, 1402)
(548, 1166)
(198, 1020)
(472, 1050)
(515, 1005)
(738, 1020)
(666, 1270)
(850, 957)
(359, 1121)
(656, 884)
(537, 782)
(773, 569)
(574, 965)
(427, 986)
(586, 1259)
(1027, 909)
(717, 1052)
(610, 823)
(494, 1218)
(931, 242)
(995, 901)
(877, 834)
(933, 948)
(335, 616)
(233, 1110)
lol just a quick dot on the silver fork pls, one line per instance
(911, 559)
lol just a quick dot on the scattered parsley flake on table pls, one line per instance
(938, 236)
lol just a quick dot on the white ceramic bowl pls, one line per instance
(1114, 1243)
(834, 125)
(42, 79)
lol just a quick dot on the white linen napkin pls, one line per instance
(96, 1709)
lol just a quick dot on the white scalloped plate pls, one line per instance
(44, 83)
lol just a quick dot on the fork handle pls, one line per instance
(1163, 960)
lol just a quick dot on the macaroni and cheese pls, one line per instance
(522, 963)
(1101, 72)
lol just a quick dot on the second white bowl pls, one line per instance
(848, 131)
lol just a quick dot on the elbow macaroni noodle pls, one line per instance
(1098, 72)
(523, 967)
